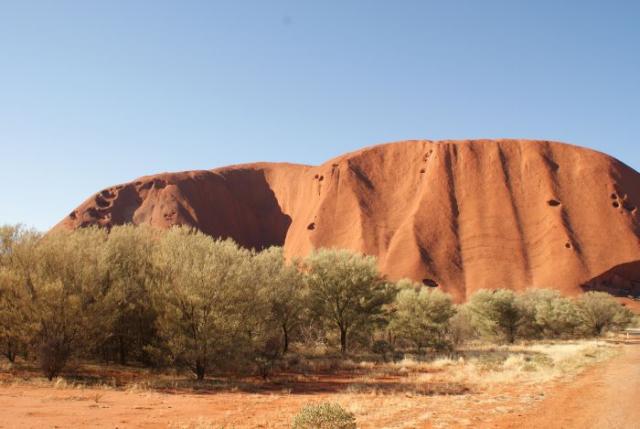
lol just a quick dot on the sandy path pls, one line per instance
(604, 397)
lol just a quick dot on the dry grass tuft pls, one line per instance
(199, 423)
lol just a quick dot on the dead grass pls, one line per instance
(523, 364)
(199, 423)
(454, 374)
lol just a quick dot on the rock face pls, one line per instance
(461, 215)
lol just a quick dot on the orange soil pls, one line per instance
(605, 397)
(461, 214)
(25, 406)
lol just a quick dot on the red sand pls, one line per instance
(605, 397)
(463, 214)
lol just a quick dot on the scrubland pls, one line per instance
(136, 327)
(477, 383)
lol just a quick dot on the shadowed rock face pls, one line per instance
(460, 215)
(622, 281)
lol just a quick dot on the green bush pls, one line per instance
(544, 313)
(497, 313)
(207, 301)
(129, 277)
(283, 287)
(600, 312)
(324, 416)
(382, 348)
(346, 291)
(547, 314)
(422, 316)
(460, 327)
(17, 327)
(65, 297)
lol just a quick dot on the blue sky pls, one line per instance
(98, 93)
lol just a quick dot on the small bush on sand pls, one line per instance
(324, 416)
(600, 312)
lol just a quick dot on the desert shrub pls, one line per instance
(67, 297)
(346, 291)
(324, 416)
(284, 289)
(382, 348)
(547, 314)
(266, 354)
(599, 312)
(206, 299)
(422, 316)
(496, 313)
(460, 328)
(544, 313)
(362, 338)
(17, 245)
(16, 328)
(635, 322)
(53, 355)
(127, 257)
(525, 303)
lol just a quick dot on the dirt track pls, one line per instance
(604, 397)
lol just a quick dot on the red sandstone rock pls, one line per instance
(464, 215)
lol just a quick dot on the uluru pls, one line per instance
(459, 215)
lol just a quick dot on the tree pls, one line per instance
(127, 259)
(600, 312)
(67, 295)
(284, 289)
(205, 296)
(16, 327)
(422, 316)
(346, 291)
(496, 312)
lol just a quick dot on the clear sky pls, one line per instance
(95, 93)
